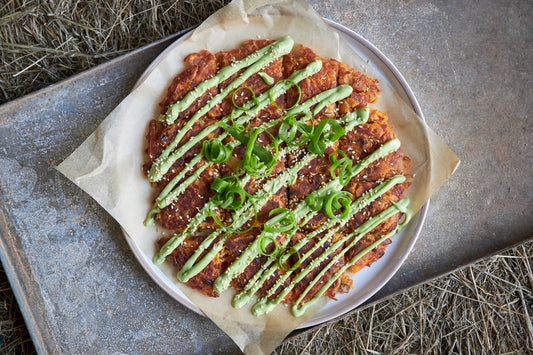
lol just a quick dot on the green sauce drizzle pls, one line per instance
(266, 78)
(273, 186)
(360, 232)
(302, 213)
(357, 205)
(190, 269)
(263, 56)
(168, 194)
(259, 59)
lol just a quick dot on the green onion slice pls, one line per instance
(264, 240)
(252, 163)
(282, 220)
(239, 128)
(339, 200)
(215, 151)
(253, 99)
(285, 254)
(279, 83)
(261, 152)
(229, 228)
(291, 126)
(229, 192)
(321, 136)
(314, 202)
(345, 166)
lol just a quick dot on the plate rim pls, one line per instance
(160, 278)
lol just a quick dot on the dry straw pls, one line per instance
(485, 308)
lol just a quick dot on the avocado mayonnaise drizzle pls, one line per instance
(258, 60)
(330, 96)
(401, 206)
(332, 226)
(247, 256)
(265, 303)
(264, 56)
(303, 214)
(192, 267)
(168, 194)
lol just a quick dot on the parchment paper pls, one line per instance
(108, 164)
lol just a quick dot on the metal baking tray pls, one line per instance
(80, 288)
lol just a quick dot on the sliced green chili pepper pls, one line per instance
(263, 241)
(291, 126)
(261, 152)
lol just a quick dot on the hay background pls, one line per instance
(484, 308)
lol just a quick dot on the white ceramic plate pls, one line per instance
(367, 281)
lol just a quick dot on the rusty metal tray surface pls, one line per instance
(79, 286)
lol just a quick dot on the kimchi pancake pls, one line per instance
(245, 138)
